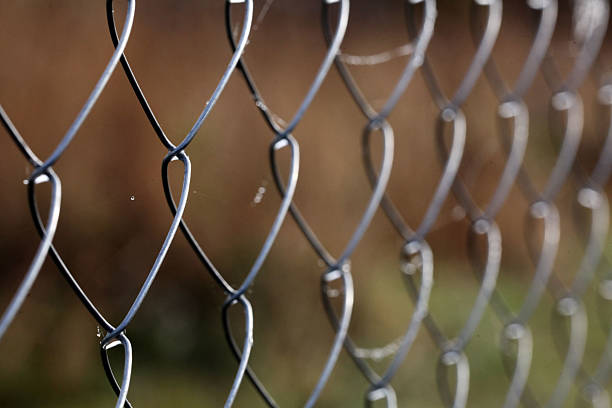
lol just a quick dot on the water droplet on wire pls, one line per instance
(411, 258)
(261, 190)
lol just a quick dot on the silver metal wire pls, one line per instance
(590, 20)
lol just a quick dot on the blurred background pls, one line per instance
(114, 217)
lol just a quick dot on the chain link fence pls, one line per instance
(460, 210)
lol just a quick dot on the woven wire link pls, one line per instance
(416, 256)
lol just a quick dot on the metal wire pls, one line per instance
(416, 261)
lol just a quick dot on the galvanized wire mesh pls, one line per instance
(416, 261)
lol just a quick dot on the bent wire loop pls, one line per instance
(590, 19)
(336, 269)
(452, 353)
(593, 196)
(511, 107)
(283, 138)
(43, 172)
(589, 196)
(177, 152)
(565, 99)
(380, 387)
